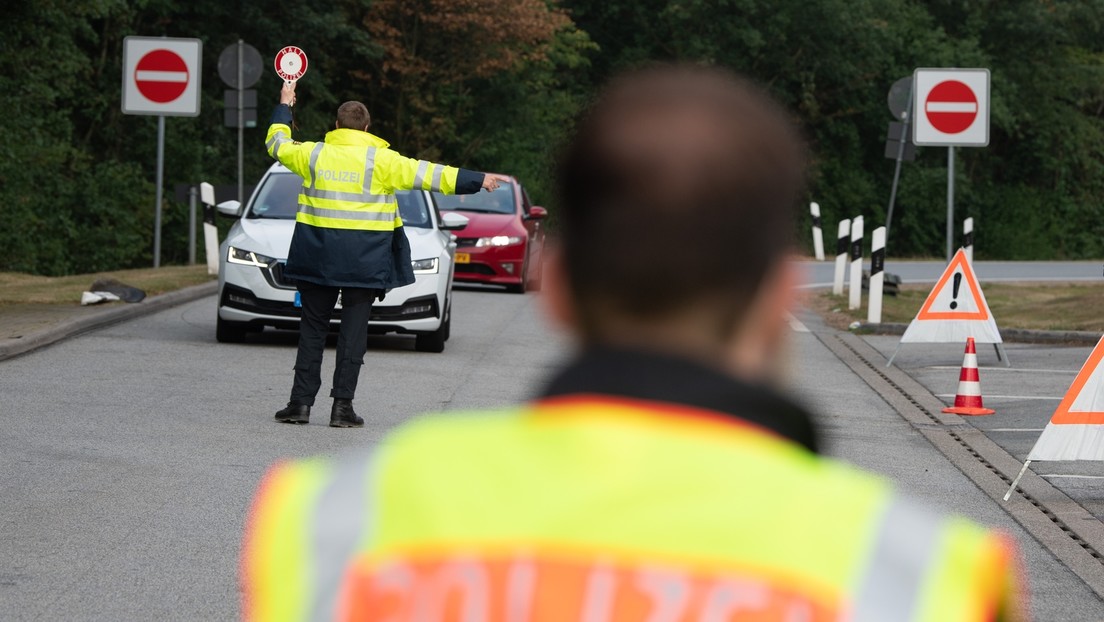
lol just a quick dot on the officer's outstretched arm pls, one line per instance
(410, 174)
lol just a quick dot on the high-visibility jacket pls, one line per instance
(605, 508)
(348, 231)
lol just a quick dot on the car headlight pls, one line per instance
(248, 258)
(424, 266)
(498, 240)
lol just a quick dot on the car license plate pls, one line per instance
(463, 258)
(299, 301)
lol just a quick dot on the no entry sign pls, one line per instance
(161, 76)
(951, 107)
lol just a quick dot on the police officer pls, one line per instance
(659, 476)
(348, 241)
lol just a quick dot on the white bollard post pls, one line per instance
(855, 300)
(877, 275)
(843, 242)
(818, 234)
(210, 231)
(968, 238)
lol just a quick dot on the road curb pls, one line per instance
(11, 348)
(1017, 335)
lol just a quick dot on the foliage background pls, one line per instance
(494, 85)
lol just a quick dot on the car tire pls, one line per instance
(434, 341)
(448, 319)
(229, 332)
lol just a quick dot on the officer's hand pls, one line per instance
(287, 94)
(491, 181)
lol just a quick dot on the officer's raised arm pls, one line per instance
(278, 142)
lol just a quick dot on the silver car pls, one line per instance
(253, 292)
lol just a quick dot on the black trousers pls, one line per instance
(318, 305)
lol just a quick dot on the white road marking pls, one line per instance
(1030, 371)
(796, 324)
(1008, 397)
(1060, 475)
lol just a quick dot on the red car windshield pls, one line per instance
(500, 201)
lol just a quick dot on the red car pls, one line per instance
(503, 243)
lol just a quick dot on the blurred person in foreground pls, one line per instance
(658, 477)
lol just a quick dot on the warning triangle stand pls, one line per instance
(1076, 429)
(954, 311)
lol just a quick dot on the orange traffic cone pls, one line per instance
(968, 398)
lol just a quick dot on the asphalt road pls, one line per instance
(128, 456)
(1024, 397)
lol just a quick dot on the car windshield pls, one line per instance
(278, 198)
(500, 201)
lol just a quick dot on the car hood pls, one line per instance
(484, 225)
(273, 238)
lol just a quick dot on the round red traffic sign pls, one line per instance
(951, 107)
(291, 63)
(161, 76)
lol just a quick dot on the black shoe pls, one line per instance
(342, 415)
(294, 413)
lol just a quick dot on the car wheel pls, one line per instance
(448, 319)
(229, 332)
(434, 341)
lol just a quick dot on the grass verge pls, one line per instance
(1033, 306)
(18, 288)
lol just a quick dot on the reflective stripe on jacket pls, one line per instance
(348, 231)
(607, 509)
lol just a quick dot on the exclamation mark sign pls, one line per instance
(954, 291)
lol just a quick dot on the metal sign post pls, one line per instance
(160, 190)
(950, 202)
(901, 90)
(241, 129)
(240, 66)
(952, 109)
(161, 76)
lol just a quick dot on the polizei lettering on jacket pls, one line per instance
(332, 175)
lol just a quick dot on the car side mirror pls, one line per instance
(537, 212)
(229, 208)
(453, 222)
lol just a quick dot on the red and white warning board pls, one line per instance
(951, 107)
(954, 310)
(291, 63)
(1076, 430)
(161, 76)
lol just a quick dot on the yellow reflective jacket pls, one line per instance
(345, 233)
(606, 507)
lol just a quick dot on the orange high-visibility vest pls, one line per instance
(608, 510)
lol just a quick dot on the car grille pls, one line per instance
(274, 274)
(466, 242)
(474, 268)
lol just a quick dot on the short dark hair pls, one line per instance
(353, 115)
(678, 190)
